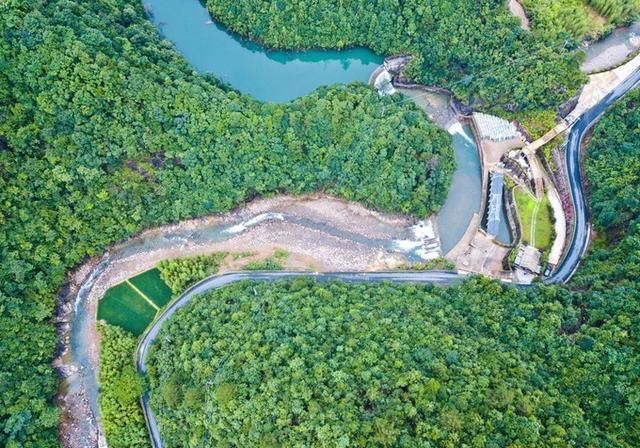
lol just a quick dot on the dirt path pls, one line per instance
(534, 217)
(518, 10)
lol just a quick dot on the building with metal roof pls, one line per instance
(495, 203)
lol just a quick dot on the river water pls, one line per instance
(285, 75)
(405, 241)
(276, 76)
(612, 50)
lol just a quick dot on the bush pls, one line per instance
(120, 390)
(180, 273)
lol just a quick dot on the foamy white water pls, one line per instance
(457, 129)
(244, 225)
(424, 229)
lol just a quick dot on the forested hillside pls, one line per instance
(580, 18)
(613, 168)
(311, 364)
(394, 365)
(474, 47)
(104, 130)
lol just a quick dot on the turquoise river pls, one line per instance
(281, 76)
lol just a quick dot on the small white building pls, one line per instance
(528, 258)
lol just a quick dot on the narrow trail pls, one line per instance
(534, 216)
(143, 295)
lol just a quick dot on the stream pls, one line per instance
(405, 241)
(613, 50)
(276, 76)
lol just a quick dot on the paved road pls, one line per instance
(565, 270)
(582, 225)
(430, 277)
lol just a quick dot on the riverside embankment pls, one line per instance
(80, 367)
(319, 232)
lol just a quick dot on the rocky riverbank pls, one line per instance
(319, 232)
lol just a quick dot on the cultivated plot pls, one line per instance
(133, 304)
(150, 284)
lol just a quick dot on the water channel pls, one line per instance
(277, 76)
(613, 50)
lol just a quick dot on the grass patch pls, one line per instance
(528, 209)
(273, 263)
(153, 287)
(537, 123)
(124, 307)
(239, 255)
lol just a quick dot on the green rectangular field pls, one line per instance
(124, 307)
(152, 286)
(543, 225)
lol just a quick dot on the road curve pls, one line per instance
(564, 271)
(218, 281)
(582, 226)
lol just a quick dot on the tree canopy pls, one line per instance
(301, 363)
(612, 166)
(474, 47)
(106, 130)
(179, 273)
(120, 389)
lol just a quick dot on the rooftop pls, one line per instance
(495, 203)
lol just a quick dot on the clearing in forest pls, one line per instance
(535, 219)
(133, 304)
(151, 285)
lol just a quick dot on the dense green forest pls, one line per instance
(580, 18)
(612, 166)
(618, 11)
(571, 17)
(474, 47)
(120, 390)
(105, 130)
(479, 364)
(179, 273)
(311, 364)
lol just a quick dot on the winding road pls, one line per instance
(219, 281)
(582, 226)
(564, 271)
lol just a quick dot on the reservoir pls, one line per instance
(276, 76)
(465, 192)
